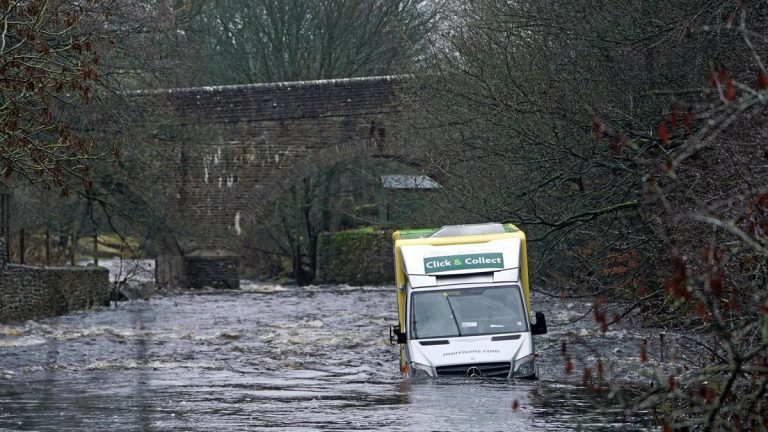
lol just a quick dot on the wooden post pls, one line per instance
(95, 249)
(72, 248)
(47, 247)
(7, 223)
(21, 247)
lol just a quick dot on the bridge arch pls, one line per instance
(251, 143)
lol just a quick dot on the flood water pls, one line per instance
(275, 358)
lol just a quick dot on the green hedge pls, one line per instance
(357, 257)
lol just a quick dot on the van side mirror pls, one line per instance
(540, 326)
(396, 336)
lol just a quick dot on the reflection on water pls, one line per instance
(265, 358)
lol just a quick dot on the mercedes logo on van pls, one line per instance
(474, 372)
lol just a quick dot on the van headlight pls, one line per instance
(419, 370)
(525, 367)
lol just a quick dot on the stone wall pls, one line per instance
(215, 269)
(28, 292)
(357, 257)
(198, 269)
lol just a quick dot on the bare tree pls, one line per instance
(331, 199)
(271, 41)
(709, 196)
(588, 125)
(503, 115)
(51, 53)
(67, 121)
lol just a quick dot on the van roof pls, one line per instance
(457, 230)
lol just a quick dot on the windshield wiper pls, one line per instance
(453, 315)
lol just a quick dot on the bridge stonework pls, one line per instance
(242, 146)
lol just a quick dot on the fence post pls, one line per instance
(95, 249)
(5, 209)
(72, 248)
(21, 247)
(48, 247)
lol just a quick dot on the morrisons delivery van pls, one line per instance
(464, 304)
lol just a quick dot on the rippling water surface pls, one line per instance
(270, 358)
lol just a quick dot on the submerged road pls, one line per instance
(274, 358)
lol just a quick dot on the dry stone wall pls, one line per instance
(28, 292)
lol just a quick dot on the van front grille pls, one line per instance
(494, 370)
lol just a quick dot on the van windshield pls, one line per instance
(467, 312)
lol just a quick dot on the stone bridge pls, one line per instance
(244, 145)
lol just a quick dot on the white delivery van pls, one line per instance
(464, 303)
